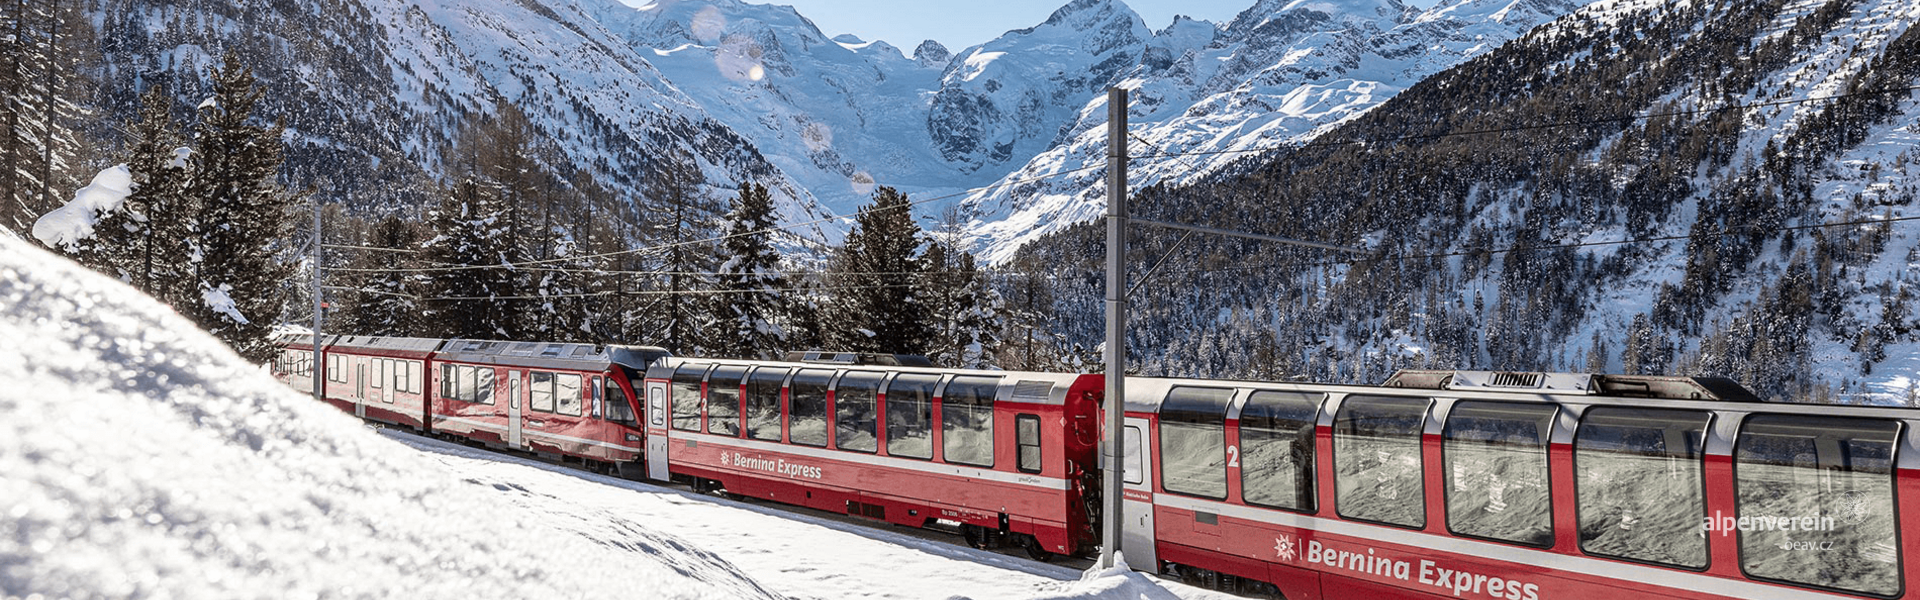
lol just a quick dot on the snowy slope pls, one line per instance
(1279, 73)
(139, 458)
(374, 91)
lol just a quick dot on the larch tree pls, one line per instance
(749, 306)
(244, 217)
(683, 214)
(46, 50)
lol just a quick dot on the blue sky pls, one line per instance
(961, 23)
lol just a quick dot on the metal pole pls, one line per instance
(318, 367)
(1111, 509)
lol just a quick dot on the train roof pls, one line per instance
(411, 346)
(552, 355)
(1146, 394)
(304, 339)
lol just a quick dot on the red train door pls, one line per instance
(360, 390)
(513, 409)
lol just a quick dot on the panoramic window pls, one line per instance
(686, 396)
(856, 412)
(966, 420)
(910, 415)
(723, 400)
(540, 392)
(1027, 434)
(566, 394)
(1816, 498)
(1376, 460)
(1495, 468)
(1637, 479)
(1276, 448)
(763, 403)
(807, 402)
(1193, 441)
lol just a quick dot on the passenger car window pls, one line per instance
(1027, 431)
(807, 407)
(1817, 496)
(856, 412)
(1495, 466)
(763, 403)
(540, 392)
(910, 415)
(685, 396)
(566, 394)
(619, 410)
(1638, 484)
(1193, 441)
(723, 400)
(966, 420)
(1276, 447)
(1376, 459)
(483, 386)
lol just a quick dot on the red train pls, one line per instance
(568, 401)
(1514, 486)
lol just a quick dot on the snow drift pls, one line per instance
(142, 459)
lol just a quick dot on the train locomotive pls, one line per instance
(1434, 484)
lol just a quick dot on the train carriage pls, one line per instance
(566, 400)
(1006, 455)
(383, 379)
(294, 364)
(1517, 487)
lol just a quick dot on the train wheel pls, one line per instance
(1034, 549)
(975, 536)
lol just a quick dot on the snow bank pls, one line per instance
(139, 458)
(1118, 583)
(69, 224)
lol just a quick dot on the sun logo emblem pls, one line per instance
(1284, 548)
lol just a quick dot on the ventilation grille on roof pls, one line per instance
(1033, 391)
(1525, 380)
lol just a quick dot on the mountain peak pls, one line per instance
(1082, 15)
(932, 53)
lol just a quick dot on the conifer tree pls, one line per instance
(877, 305)
(749, 310)
(244, 217)
(464, 300)
(387, 283)
(144, 241)
(683, 214)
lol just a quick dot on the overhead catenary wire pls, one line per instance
(610, 293)
(1161, 153)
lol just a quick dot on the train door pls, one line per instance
(1137, 498)
(389, 374)
(513, 409)
(656, 407)
(360, 389)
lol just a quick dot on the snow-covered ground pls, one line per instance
(139, 458)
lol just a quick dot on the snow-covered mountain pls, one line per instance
(373, 91)
(1717, 187)
(843, 115)
(1279, 72)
